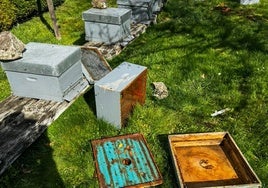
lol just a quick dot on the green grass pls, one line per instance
(40, 29)
(209, 61)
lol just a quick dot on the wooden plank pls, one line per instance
(110, 51)
(190, 143)
(53, 18)
(22, 121)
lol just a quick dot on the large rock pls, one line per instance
(11, 47)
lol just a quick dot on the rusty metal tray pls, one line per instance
(125, 161)
(210, 160)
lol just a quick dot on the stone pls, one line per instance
(101, 4)
(11, 47)
(160, 90)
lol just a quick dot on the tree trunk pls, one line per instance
(53, 18)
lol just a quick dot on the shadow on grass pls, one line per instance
(34, 168)
(169, 168)
(43, 20)
(207, 26)
(211, 25)
(89, 97)
(81, 40)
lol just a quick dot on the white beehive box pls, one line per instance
(118, 91)
(46, 71)
(108, 25)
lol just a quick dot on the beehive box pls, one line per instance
(157, 5)
(142, 10)
(125, 161)
(210, 160)
(119, 91)
(108, 25)
(46, 71)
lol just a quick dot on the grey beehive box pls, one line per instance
(142, 10)
(46, 71)
(119, 91)
(157, 5)
(108, 25)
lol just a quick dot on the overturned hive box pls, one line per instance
(125, 161)
(210, 160)
(119, 91)
(46, 71)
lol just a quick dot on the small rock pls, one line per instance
(11, 47)
(160, 90)
(101, 4)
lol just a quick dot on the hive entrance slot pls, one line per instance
(126, 161)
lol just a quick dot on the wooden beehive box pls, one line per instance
(210, 160)
(119, 91)
(125, 161)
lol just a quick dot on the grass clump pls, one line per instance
(209, 58)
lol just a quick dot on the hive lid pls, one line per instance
(115, 16)
(45, 59)
(136, 3)
(125, 161)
